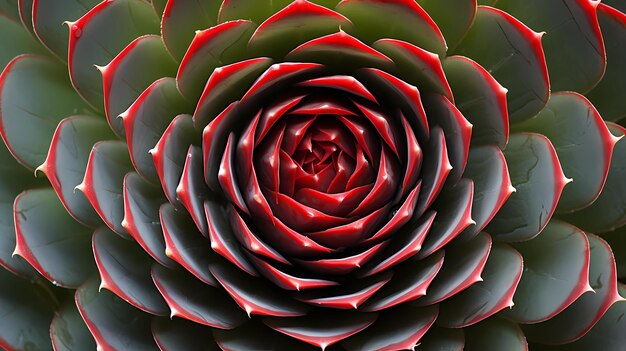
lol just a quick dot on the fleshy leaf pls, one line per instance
(394, 331)
(125, 271)
(103, 182)
(51, 240)
(556, 267)
(181, 19)
(35, 95)
(538, 179)
(190, 299)
(135, 68)
(67, 159)
(581, 140)
(453, 24)
(603, 96)
(608, 211)
(574, 49)
(146, 120)
(68, 330)
(26, 311)
(480, 98)
(494, 335)
(114, 324)
(93, 41)
(515, 58)
(576, 320)
(411, 23)
(485, 298)
(47, 19)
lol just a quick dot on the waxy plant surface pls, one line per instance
(351, 175)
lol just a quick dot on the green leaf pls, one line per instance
(576, 320)
(581, 140)
(15, 40)
(146, 120)
(141, 63)
(608, 211)
(125, 270)
(114, 324)
(395, 330)
(295, 24)
(480, 98)
(13, 180)
(68, 330)
(181, 20)
(453, 24)
(103, 182)
(94, 41)
(48, 17)
(573, 48)
(485, 298)
(217, 46)
(35, 96)
(67, 160)
(51, 240)
(372, 19)
(512, 53)
(180, 334)
(438, 339)
(495, 334)
(556, 267)
(536, 174)
(605, 96)
(26, 311)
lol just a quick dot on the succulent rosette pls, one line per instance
(323, 174)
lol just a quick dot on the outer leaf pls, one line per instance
(103, 182)
(394, 331)
(438, 339)
(556, 267)
(483, 299)
(15, 39)
(125, 270)
(93, 41)
(114, 324)
(48, 16)
(607, 334)
(582, 315)
(25, 313)
(13, 180)
(574, 49)
(603, 96)
(67, 160)
(179, 334)
(50, 240)
(581, 140)
(608, 211)
(538, 179)
(142, 62)
(515, 58)
(68, 330)
(181, 19)
(493, 335)
(34, 96)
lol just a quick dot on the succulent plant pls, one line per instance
(323, 174)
